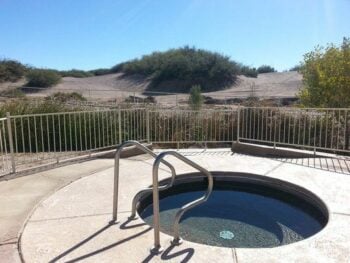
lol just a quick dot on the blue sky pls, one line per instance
(88, 34)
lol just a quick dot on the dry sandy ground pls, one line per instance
(115, 86)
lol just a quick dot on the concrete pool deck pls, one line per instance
(72, 223)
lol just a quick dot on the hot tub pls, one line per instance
(243, 211)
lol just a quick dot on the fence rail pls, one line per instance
(51, 138)
(316, 129)
(6, 160)
(27, 141)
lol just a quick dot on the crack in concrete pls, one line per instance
(8, 243)
(73, 217)
(274, 168)
(234, 255)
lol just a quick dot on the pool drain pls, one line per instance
(226, 234)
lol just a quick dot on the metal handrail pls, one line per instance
(116, 178)
(156, 218)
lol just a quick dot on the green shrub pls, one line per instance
(12, 93)
(42, 78)
(248, 71)
(185, 66)
(196, 97)
(326, 76)
(119, 67)
(296, 68)
(75, 73)
(265, 69)
(64, 97)
(100, 71)
(25, 106)
(11, 70)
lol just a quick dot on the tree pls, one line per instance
(11, 70)
(326, 76)
(265, 69)
(296, 68)
(42, 78)
(177, 70)
(196, 98)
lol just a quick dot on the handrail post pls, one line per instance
(156, 216)
(116, 178)
(157, 248)
(116, 187)
(12, 152)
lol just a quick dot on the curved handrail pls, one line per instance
(183, 209)
(116, 177)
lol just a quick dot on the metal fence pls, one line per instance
(40, 139)
(28, 141)
(5, 152)
(184, 126)
(314, 129)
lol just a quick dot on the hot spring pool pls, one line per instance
(244, 210)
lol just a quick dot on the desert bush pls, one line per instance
(42, 78)
(119, 67)
(100, 71)
(196, 98)
(135, 99)
(76, 73)
(26, 106)
(12, 93)
(187, 66)
(248, 71)
(265, 69)
(11, 70)
(198, 126)
(64, 97)
(296, 68)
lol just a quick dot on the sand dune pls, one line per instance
(118, 87)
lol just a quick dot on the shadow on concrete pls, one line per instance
(126, 226)
(65, 253)
(336, 165)
(167, 255)
(69, 217)
(93, 253)
(207, 152)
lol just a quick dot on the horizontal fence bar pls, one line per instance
(286, 144)
(71, 112)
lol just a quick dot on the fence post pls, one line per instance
(120, 125)
(238, 122)
(12, 152)
(148, 128)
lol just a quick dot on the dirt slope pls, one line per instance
(115, 86)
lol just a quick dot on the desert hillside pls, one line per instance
(115, 86)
